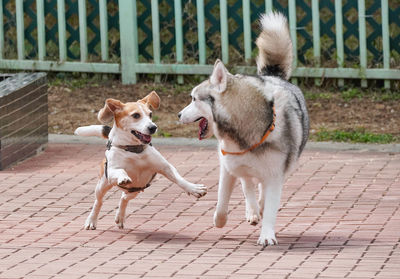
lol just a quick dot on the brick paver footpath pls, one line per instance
(339, 218)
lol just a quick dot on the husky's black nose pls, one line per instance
(152, 129)
(179, 115)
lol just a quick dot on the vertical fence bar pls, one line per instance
(293, 33)
(385, 38)
(62, 38)
(178, 35)
(339, 37)
(155, 24)
(82, 29)
(128, 39)
(41, 32)
(223, 5)
(363, 41)
(268, 6)
(103, 29)
(1, 30)
(316, 37)
(201, 31)
(247, 29)
(19, 13)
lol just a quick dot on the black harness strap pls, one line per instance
(134, 149)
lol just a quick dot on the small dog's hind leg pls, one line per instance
(273, 190)
(225, 187)
(123, 202)
(101, 189)
(252, 209)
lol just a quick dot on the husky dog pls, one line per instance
(261, 123)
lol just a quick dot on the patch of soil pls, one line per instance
(71, 108)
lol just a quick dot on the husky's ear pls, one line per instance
(219, 76)
(152, 100)
(106, 114)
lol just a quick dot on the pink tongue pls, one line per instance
(202, 126)
(146, 138)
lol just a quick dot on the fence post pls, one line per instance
(385, 38)
(316, 37)
(62, 38)
(268, 6)
(293, 33)
(178, 35)
(41, 31)
(223, 6)
(128, 39)
(247, 30)
(339, 38)
(19, 13)
(1, 30)
(103, 29)
(363, 42)
(82, 30)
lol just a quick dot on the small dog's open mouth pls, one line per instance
(203, 128)
(145, 139)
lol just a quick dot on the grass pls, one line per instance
(355, 136)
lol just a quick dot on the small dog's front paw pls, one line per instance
(90, 223)
(220, 219)
(124, 180)
(267, 240)
(197, 190)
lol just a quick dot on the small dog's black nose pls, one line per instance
(152, 129)
(179, 115)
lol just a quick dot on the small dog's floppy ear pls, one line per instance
(152, 100)
(106, 114)
(219, 76)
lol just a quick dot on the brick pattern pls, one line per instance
(23, 116)
(339, 218)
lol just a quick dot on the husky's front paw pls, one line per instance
(267, 240)
(119, 220)
(220, 219)
(253, 217)
(90, 223)
(124, 180)
(197, 190)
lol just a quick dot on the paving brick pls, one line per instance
(340, 216)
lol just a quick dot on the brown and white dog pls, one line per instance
(131, 161)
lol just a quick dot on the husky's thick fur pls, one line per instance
(239, 111)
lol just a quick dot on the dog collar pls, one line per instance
(270, 129)
(130, 148)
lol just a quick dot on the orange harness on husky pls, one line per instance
(270, 129)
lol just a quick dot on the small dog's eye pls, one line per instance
(151, 115)
(136, 115)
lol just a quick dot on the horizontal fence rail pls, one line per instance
(341, 39)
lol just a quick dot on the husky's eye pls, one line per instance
(136, 115)
(194, 99)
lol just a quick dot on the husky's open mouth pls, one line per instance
(203, 128)
(145, 139)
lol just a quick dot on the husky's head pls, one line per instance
(133, 117)
(234, 106)
(204, 98)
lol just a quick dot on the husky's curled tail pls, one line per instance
(275, 47)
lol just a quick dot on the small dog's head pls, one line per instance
(132, 117)
(205, 97)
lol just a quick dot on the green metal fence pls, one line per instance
(357, 39)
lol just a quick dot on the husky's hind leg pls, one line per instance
(272, 192)
(252, 209)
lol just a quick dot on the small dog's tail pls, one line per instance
(93, 131)
(275, 46)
